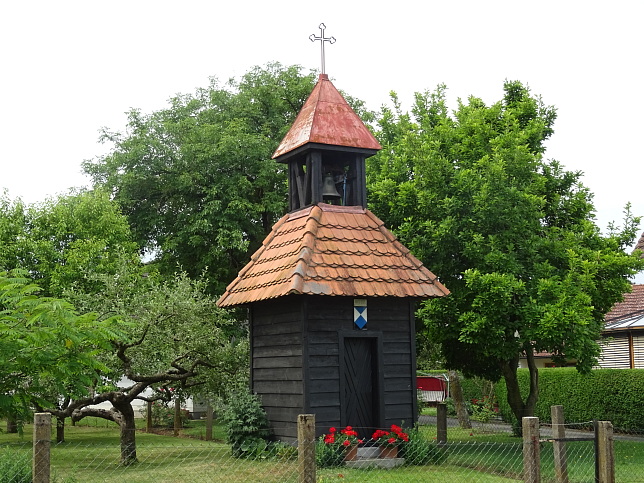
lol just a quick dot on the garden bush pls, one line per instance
(15, 467)
(420, 451)
(163, 415)
(247, 428)
(328, 455)
(604, 394)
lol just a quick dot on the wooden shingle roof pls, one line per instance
(331, 250)
(327, 118)
(627, 313)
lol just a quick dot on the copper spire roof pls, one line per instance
(327, 118)
(331, 250)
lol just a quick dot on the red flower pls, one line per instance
(393, 438)
(345, 437)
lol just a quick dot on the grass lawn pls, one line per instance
(90, 454)
(501, 453)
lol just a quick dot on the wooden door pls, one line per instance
(360, 384)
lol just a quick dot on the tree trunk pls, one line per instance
(128, 433)
(12, 425)
(60, 429)
(457, 395)
(518, 407)
(533, 396)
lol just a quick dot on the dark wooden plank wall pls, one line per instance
(394, 318)
(390, 316)
(277, 369)
(325, 317)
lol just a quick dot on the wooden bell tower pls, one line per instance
(332, 293)
(326, 148)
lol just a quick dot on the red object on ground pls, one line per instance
(430, 383)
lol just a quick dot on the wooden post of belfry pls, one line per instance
(441, 424)
(605, 454)
(306, 447)
(42, 443)
(531, 462)
(559, 447)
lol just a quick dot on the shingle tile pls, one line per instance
(331, 250)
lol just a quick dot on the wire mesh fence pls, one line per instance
(581, 457)
(485, 453)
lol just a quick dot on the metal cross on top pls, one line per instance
(322, 39)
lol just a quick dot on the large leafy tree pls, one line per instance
(512, 235)
(46, 346)
(176, 338)
(79, 248)
(63, 239)
(196, 179)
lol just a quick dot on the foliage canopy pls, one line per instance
(196, 179)
(62, 240)
(46, 346)
(512, 235)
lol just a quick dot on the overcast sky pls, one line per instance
(71, 67)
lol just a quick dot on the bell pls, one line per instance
(329, 192)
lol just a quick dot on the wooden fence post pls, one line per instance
(559, 447)
(209, 417)
(306, 447)
(42, 442)
(605, 454)
(441, 423)
(177, 417)
(531, 461)
(148, 417)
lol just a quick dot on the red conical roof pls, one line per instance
(327, 118)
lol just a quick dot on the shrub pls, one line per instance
(483, 409)
(605, 394)
(163, 415)
(283, 451)
(451, 407)
(420, 451)
(15, 467)
(328, 455)
(247, 428)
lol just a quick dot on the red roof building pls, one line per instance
(326, 118)
(331, 250)
(331, 292)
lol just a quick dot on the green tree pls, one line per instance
(60, 242)
(46, 346)
(177, 341)
(510, 234)
(196, 179)
(63, 239)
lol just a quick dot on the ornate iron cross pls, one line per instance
(322, 39)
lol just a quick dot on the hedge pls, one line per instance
(615, 395)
